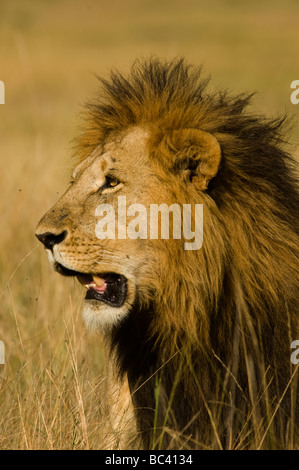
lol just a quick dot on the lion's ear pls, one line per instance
(198, 155)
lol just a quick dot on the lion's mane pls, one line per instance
(207, 355)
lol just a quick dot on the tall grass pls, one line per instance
(53, 391)
(257, 429)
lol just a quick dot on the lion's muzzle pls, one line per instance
(107, 287)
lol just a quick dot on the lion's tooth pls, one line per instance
(98, 281)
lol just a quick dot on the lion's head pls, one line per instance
(158, 139)
(107, 228)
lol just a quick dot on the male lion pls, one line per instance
(202, 335)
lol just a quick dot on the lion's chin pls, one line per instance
(99, 316)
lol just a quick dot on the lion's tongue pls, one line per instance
(95, 282)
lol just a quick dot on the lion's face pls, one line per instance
(108, 268)
(93, 232)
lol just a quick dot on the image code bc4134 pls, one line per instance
(174, 459)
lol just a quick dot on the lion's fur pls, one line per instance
(206, 346)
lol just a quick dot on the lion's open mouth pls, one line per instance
(107, 287)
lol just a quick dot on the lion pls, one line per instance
(201, 335)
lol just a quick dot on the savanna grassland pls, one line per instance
(51, 385)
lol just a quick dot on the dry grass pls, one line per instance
(51, 387)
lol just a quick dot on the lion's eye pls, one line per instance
(110, 182)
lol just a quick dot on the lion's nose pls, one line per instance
(50, 239)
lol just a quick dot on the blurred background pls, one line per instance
(49, 53)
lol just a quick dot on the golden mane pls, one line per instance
(255, 189)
